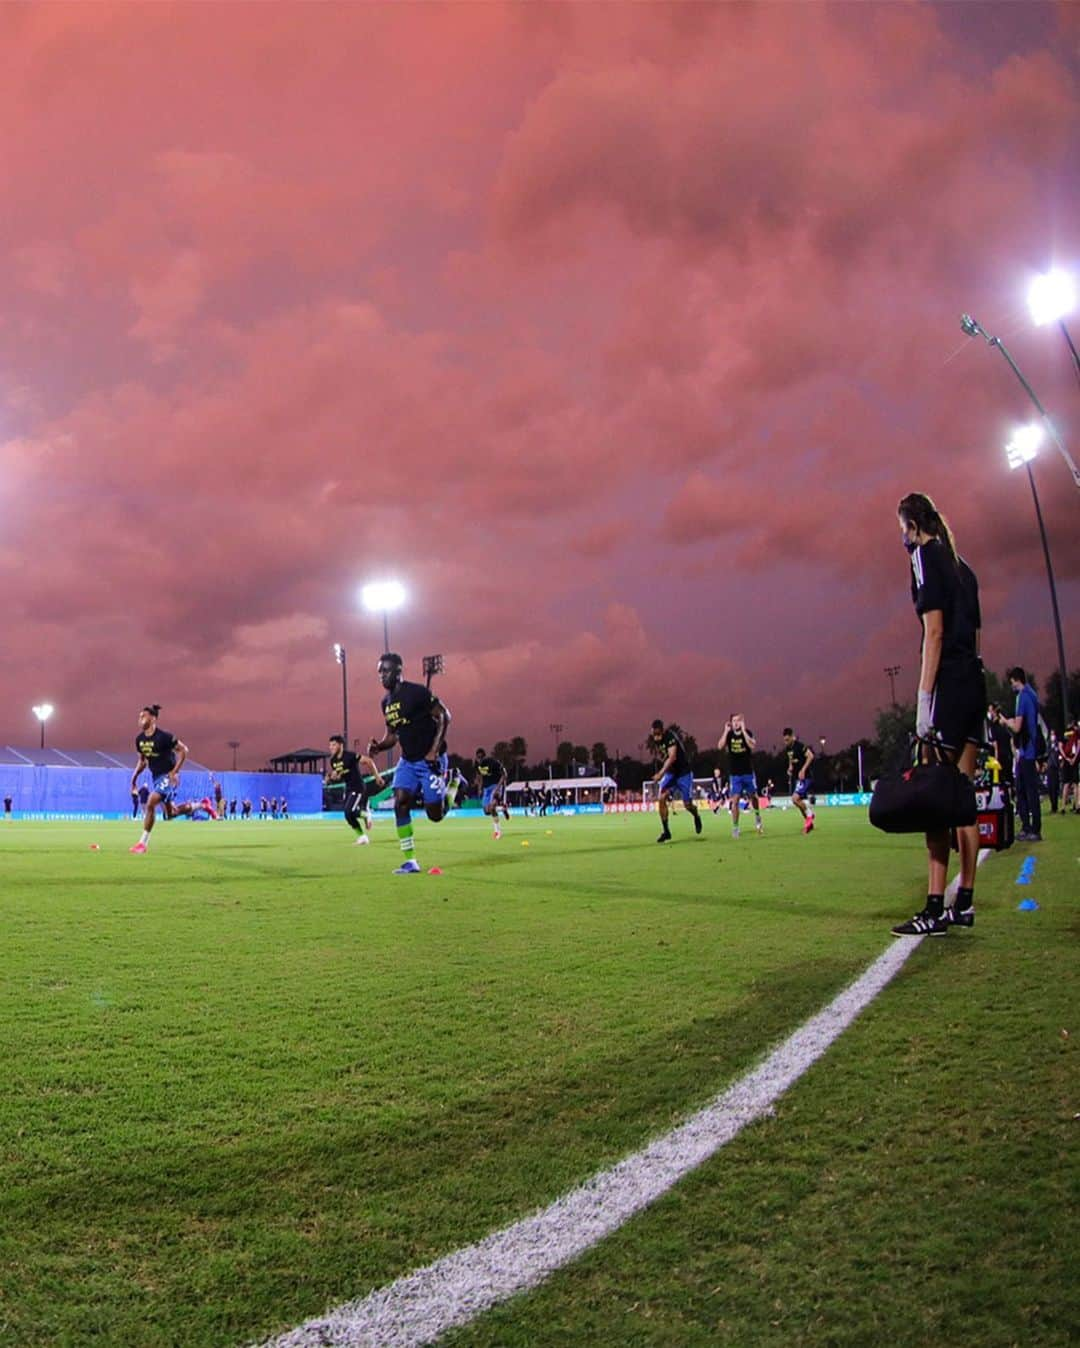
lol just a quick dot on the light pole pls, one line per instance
(1020, 450)
(234, 745)
(383, 596)
(433, 664)
(892, 671)
(1051, 298)
(43, 711)
(339, 656)
(974, 329)
(556, 729)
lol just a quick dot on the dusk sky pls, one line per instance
(615, 332)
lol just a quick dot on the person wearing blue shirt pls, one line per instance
(1025, 727)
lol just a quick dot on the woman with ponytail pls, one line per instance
(952, 694)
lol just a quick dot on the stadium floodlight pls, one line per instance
(383, 596)
(43, 711)
(1020, 451)
(1024, 445)
(973, 328)
(339, 656)
(1051, 297)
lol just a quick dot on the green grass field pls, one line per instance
(252, 1075)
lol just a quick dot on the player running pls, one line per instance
(491, 778)
(740, 744)
(416, 721)
(348, 769)
(161, 752)
(799, 758)
(674, 776)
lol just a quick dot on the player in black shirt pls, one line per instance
(417, 722)
(360, 778)
(161, 752)
(740, 745)
(674, 776)
(952, 694)
(491, 779)
(799, 758)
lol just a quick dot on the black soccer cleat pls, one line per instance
(925, 923)
(664, 837)
(697, 823)
(955, 918)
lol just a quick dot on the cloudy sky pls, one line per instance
(614, 331)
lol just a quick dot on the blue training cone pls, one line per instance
(1027, 906)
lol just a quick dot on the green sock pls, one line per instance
(451, 793)
(405, 837)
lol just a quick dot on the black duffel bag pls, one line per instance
(925, 797)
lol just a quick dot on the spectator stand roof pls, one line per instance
(14, 755)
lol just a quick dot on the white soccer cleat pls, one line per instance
(363, 840)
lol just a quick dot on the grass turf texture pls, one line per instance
(252, 1074)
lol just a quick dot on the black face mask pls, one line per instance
(909, 545)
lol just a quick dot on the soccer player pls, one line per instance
(740, 745)
(348, 769)
(717, 791)
(674, 776)
(161, 752)
(952, 694)
(799, 758)
(417, 722)
(491, 779)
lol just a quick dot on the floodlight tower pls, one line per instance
(1019, 452)
(1051, 298)
(339, 656)
(234, 745)
(383, 596)
(891, 672)
(973, 328)
(43, 711)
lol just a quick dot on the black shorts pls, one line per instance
(1069, 774)
(959, 705)
(356, 802)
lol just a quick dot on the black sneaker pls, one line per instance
(955, 918)
(697, 823)
(925, 923)
(664, 837)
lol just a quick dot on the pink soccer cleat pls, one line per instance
(808, 827)
(208, 806)
(139, 848)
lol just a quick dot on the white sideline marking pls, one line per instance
(421, 1306)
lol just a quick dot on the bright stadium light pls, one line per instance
(43, 711)
(1051, 297)
(1024, 445)
(383, 596)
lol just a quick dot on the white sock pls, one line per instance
(145, 839)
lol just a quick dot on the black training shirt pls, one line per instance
(490, 770)
(937, 582)
(410, 715)
(159, 750)
(681, 766)
(796, 756)
(345, 767)
(740, 755)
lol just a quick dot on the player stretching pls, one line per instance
(164, 755)
(799, 758)
(491, 777)
(740, 745)
(416, 721)
(674, 776)
(348, 769)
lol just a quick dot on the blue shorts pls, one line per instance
(416, 776)
(679, 786)
(801, 789)
(744, 784)
(492, 793)
(165, 789)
